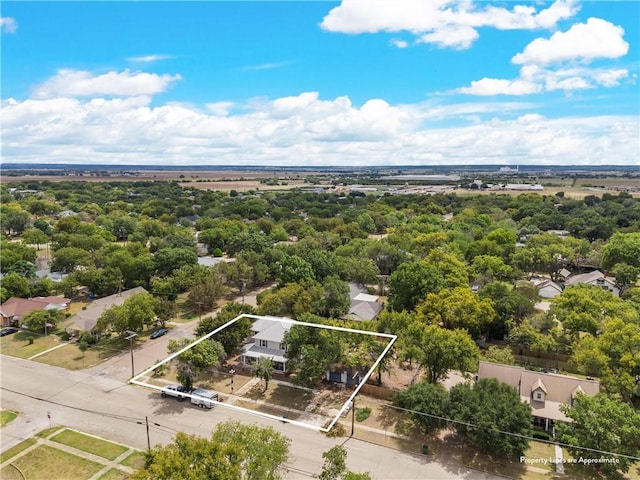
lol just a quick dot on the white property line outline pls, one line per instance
(349, 401)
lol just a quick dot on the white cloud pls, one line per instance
(458, 36)
(562, 62)
(583, 41)
(8, 25)
(495, 86)
(447, 23)
(80, 83)
(396, 42)
(264, 66)
(307, 129)
(149, 58)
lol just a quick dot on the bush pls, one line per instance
(217, 252)
(362, 413)
(541, 435)
(337, 430)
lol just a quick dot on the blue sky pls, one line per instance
(359, 82)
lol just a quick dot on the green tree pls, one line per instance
(439, 350)
(491, 407)
(230, 337)
(603, 423)
(16, 285)
(263, 369)
(311, 351)
(496, 354)
(35, 237)
(169, 259)
(411, 282)
(428, 398)
(264, 451)
(622, 248)
(294, 269)
(335, 466)
(204, 295)
(189, 457)
(208, 353)
(67, 259)
(458, 308)
(614, 356)
(37, 319)
(626, 276)
(336, 298)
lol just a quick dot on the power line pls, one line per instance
(528, 437)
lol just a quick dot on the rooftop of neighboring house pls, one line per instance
(588, 278)
(558, 389)
(16, 308)
(86, 320)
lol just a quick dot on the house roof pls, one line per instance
(588, 278)
(560, 389)
(86, 320)
(270, 329)
(16, 307)
(356, 289)
(364, 297)
(540, 284)
(254, 351)
(364, 310)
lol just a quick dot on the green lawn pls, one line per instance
(17, 345)
(135, 460)
(54, 464)
(7, 416)
(114, 474)
(13, 451)
(89, 444)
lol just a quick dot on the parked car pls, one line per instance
(204, 398)
(176, 391)
(8, 331)
(158, 333)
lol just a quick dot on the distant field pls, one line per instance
(243, 185)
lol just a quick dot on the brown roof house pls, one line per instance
(545, 392)
(86, 320)
(13, 311)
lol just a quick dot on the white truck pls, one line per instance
(204, 398)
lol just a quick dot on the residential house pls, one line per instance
(545, 392)
(363, 306)
(13, 311)
(596, 278)
(267, 335)
(547, 288)
(87, 319)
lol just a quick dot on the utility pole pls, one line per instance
(131, 336)
(353, 415)
(148, 440)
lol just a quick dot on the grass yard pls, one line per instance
(114, 474)
(89, 444)
(13, 451)
(281, 395)
(135, 460)
(53, 464)
(268, 409)
(7, 416)
(17, 345)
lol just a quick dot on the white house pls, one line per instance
(267, 341)
(547, 288)
(595, 278)
(363, 306)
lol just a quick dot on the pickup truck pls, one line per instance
(175, 391)
(204, 398)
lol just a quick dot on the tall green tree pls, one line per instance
(230, 337)
(492, 408)
(234, 452)
(411, 282)
(426, 398)
(602, 423)
(264, 451)
(263, 369)
(335, 466)
(439, 350)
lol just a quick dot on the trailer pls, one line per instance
(203, 398)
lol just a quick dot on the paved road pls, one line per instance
(99, 401)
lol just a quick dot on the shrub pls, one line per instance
(337, 430)
(362, 413)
